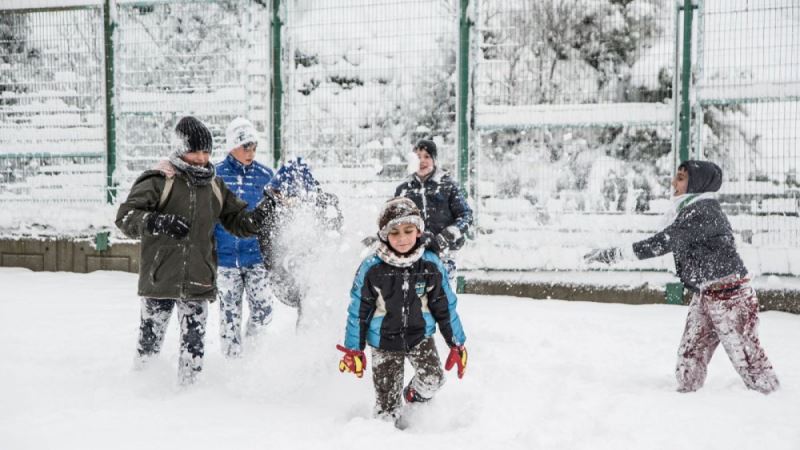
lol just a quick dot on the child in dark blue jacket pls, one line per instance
(399, 295)
(241, 268)
(724, 308)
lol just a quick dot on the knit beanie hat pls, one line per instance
(398, 211)
(240, 132)
(428, 146)
(192, 136)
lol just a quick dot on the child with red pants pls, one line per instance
(724, 307)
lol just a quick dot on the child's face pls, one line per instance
(680, 184)
(403, 237)
(426, 163)
(198, 159)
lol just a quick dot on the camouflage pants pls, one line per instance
(231, 286)
(731, 320)
(387, 375)
(153, 327)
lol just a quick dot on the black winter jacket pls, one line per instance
(440, 202)
(701, 241)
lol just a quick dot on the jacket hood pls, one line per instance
(704, 176)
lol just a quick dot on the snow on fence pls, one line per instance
(573, 108)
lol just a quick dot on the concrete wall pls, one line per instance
(68, 254)
(769, 299)
(80, 255)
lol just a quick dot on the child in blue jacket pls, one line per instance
(241, 269)
(399, 295)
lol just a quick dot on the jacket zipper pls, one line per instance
(184, 246)
(424, 199)
(405, 287)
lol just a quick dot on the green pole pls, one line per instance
(111, 124)
(463, 95)
(277, 84)
(686, 79)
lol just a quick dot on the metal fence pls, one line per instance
(577, 110)
(365, 80)
(51, 106)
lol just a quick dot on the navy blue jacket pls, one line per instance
(700, 238)
(247, 182)
(395, 308)
(440, 202)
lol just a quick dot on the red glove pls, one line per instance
(353, 361)
(457, 357)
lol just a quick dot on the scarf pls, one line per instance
(387, 255)
(680, 202)
(199, 176)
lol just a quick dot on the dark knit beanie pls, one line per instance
(193, 136)
(428, 146)
(398, 211)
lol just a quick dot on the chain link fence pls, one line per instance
(365, 80)
(573, 105)
(201, 58)
(52, 142)
(574, 121)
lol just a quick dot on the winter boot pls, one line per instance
(412, 396)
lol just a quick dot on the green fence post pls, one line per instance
(674, 293)
(277, 83)
(101, 243)
(463, 95)
(461, 284)
(111, 124)
(686, 79)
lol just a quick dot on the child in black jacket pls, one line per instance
(399, 295)
(724, 308)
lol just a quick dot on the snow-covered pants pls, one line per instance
(232, 283)
(192, 316)
(387, 375)
(729, 317)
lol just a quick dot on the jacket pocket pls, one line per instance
(163, 255)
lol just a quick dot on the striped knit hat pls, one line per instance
(398, 211)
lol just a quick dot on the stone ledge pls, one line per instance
(68, 254)
(769, 299)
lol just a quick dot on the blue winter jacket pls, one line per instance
(247, 182)
(395, 308)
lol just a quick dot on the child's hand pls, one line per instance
(603, 255)
(457, 357)
(353, 361)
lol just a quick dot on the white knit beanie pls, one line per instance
(240, 132)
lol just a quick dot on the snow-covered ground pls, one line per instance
(542, 374)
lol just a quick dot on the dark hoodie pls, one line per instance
(700, 239)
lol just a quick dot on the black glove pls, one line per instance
(428, 240)
(173, 226)
(603, 255)
(264, 208)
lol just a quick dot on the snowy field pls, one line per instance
(542, 375)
